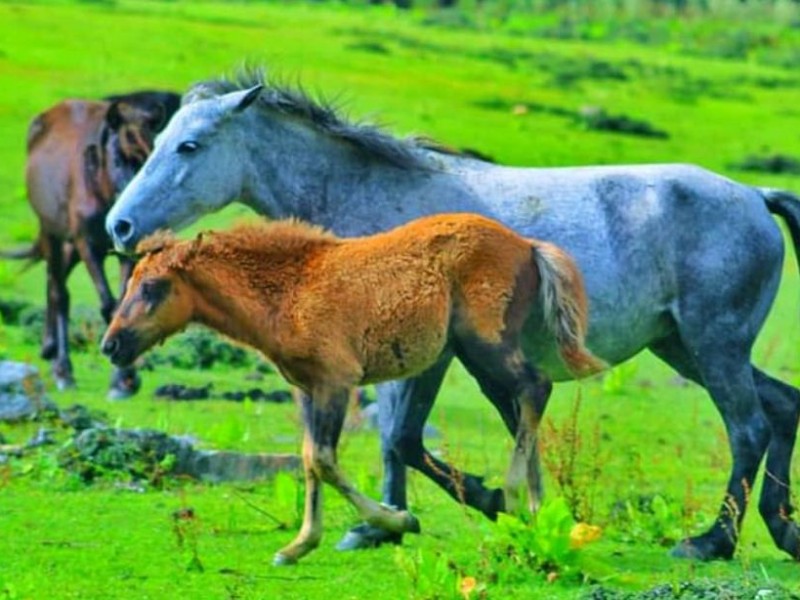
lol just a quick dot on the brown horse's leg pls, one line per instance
(125, 381)
(58, 267)
(93, 257)
(323, 417)
(50, 335)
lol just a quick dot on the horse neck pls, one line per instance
(297, 171)
(229, 295)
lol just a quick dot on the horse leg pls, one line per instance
(50, 337)
(93, 257)
(781, 404)
(509, 380)
(124, 382)
(323, 417)
(58, 266)
(722, 366)
(403, 408)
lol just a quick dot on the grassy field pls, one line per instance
(637, 434)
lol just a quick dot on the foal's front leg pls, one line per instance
(323, 416)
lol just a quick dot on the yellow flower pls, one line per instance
(467, 586)
(583, 533)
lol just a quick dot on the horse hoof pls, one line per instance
(281, 560)
(703, 548)
(116, 393)
(410, 523)
(64, 383)
(124, 384)
(366, 536)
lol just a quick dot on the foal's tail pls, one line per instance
(786, 205)
(565, 307)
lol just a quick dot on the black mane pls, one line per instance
(324, 116)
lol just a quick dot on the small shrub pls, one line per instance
(548, 543)
(199, 348)
(774, 163)
(11, 309)
(597, 119)
(700, 589)
(86, 326)
(118, 454)
(649, 519)
(432, 576)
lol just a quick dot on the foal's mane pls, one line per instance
(325, 116)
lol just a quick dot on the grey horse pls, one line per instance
(677, 259)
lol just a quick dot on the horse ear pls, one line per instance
(157, 117)
(114, 117)
(236, 102)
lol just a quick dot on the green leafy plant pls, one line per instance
(548, 542)
(433, 576)
(650, 519)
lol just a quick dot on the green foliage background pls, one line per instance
(508, 79)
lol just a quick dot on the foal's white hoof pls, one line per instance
(281, 560)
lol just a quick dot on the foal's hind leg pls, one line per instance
(503, 372)
(723, 367)
(781, 404)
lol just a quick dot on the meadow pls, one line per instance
(637, 452)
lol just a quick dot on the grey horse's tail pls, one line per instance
(565, 307)
(786, 205)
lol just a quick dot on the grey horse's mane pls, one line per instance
(324, 116)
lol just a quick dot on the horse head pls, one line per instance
(196, 167)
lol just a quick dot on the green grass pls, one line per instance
(645, 432)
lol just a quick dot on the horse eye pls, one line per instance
(187, 147)
(154, 292)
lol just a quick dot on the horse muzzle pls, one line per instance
(123, 233)
(121, 347)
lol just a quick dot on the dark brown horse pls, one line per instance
(336, 313)
(80, 155)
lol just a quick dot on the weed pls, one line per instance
(548, 542)
(577, 470)
(434, 576)
(649, 519)
(186, 528)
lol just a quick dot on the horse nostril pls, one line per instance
(110, 347)
(123, 230)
